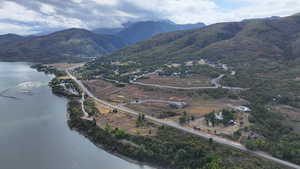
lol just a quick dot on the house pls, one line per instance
(225, 67)
(232, 122)
(178, 105)
(219, 116)
(176, 73)
(243, 108)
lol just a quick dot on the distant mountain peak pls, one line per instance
(137, 31)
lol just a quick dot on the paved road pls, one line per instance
(189, 130)
(214, 82)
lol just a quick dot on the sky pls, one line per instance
(34, 16)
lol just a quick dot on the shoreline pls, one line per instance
(86, 136)
(123, 157)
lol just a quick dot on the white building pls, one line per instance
(219, 116)
(243, 108)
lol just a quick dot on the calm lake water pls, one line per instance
(33, 128)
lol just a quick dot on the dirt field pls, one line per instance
(64, 66)
(110, 92)
(125, 122)
(102, 108)
(159, 110)
(199, 106)
(193, 81)
(196, 106)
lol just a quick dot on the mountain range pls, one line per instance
(73, 44)
(229, 42)
(63, 45)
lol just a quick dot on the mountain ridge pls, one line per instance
(62, 45)
(133, 32)
(244, 40)
(75, 44)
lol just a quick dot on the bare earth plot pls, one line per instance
(129, 93)
(65, 66)
(191, 81)
(196, 106)
(125, 122)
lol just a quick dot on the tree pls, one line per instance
(115, 111)
(214, 163)
(140, 120)
(211, 141)
(183, 119)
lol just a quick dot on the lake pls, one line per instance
(33, 127)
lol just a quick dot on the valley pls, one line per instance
(180, 96)
(117, 97)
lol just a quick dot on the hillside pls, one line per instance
(225, 41)
(264, 50)
(265, 57)
(107, 31)
(63, 45)
(9, 38)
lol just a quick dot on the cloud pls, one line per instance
(24, 30)
(40, 15)
(107, 2)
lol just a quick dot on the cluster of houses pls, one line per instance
(219, 115)
(69, 89)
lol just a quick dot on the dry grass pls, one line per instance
(102, 108)
(123, 121)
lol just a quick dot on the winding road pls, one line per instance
(189, 130)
